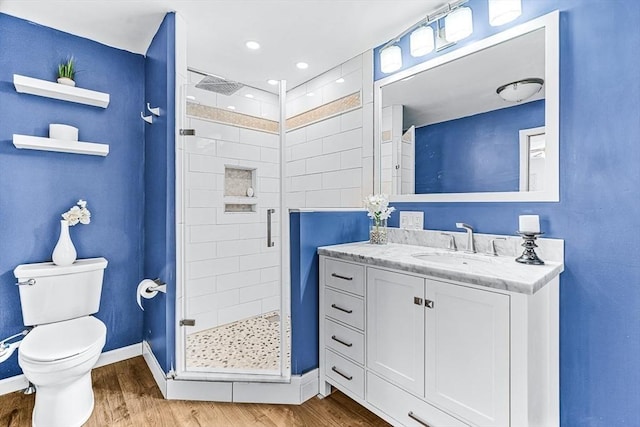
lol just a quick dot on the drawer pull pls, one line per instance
(348, 344)
(418, 419)
(341, 277)
(337, 307)
(337, 371)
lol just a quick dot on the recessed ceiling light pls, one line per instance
(302, 65)
(248, 95)
(272, 82)
(253, 45)
(340, 80)
(310, 94)
(231, 107)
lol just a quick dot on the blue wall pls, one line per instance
(37, 186)
(308, 231)
(159, 191)
(599, 212)
(479, 153)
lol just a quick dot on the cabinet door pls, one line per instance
(395, 328)
(467, 352)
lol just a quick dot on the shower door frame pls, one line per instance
(180, 371)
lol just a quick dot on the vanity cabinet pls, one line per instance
(425, 351)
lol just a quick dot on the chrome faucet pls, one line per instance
(452, 242)
(471, 247)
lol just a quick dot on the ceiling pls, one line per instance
(323, 33)
(467, 86)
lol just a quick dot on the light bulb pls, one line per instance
(390, 59)
(458, 24)
(421, 41)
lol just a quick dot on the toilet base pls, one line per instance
(64, 405)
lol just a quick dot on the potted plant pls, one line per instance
(66, 72)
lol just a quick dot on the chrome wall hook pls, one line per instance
(155, 111)
(148, 119)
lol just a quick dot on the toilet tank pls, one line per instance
(60, 292)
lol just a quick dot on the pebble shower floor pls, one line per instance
(252, 343)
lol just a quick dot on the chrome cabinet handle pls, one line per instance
(337, 371)
(341, 277)
(29, 282)
(418, 419)
(348, 344)
(428, 303)
(337, 307)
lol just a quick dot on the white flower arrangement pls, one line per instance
(378, 208)
(78, 214)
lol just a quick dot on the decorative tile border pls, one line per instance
(325, 111)
(232, 118)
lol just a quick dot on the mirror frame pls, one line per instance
(551, 193)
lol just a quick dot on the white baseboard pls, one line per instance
(20, 382)
(300, 389)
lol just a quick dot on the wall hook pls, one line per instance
(148, 119)
(154, 111)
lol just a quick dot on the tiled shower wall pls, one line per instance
(231, 274)
(330, 152)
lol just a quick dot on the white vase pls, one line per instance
(66, 81)
(64, 253)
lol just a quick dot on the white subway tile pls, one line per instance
(296, 199)
(200, 180)
(256, 262)
(296, 136)
(212, 233)
(324, 79)
(324, 128)
(367, 130)
(211, 130)
(352, 65)
(352, 83)
(201, 304)
(263, 139)
(271, 304)
(351, 120)
(367, 176)
(323, 199)
(367, 77)
(199, 216)
(305, 150)
(237, 280)
(327, 162)
(202, 286)
(351, 198)
(239, 247)
(240, 311)
(198, 145)
(200, 198)
(236, 150)
(204, 321)
(306, 182)
(240, 218)
(270, 274)
(268, 185)
(348, 178)
(227, 298)
(253, 231)
(342, 141)
(198, 269)
(269, 155)
(351, 158)
(258, 292)
(296, 167)
(201, 251)
(200, 163)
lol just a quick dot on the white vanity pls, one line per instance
(423, 336)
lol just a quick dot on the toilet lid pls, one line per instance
(62, 340)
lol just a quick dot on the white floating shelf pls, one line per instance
(240, 200)
(47, 144)
(59, 91)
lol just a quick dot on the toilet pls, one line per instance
(57, 355)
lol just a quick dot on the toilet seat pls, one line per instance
(63, 341)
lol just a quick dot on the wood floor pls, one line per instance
(126, 395)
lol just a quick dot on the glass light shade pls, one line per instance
(390, 59)
(520, 90)
(503, 11)
(421, 41)
(458, 24)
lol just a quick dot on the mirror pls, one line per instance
(443, 133)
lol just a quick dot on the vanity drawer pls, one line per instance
(345, 276)
(399, 404)
(344, 341)
(345, 308)
(344, 373)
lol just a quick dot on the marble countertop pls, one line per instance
(498, 272)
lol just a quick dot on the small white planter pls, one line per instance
(66, 81)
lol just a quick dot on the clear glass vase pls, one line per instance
(378, 232)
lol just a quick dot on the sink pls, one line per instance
(455, 259)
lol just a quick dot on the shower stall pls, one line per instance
(232, 278)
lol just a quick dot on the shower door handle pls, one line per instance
(270, 243)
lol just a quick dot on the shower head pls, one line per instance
(219, 85)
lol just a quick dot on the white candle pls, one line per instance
(529, 224)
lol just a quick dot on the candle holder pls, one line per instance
(529, 255)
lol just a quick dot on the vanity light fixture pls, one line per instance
(390, 59)
(421, 41)
(458, 24)
(520, 90)
(503, 11)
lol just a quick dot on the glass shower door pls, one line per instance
(235, 316)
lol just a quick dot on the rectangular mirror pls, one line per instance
(444, 133)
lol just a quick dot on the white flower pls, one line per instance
(378, 207)
(78, 214)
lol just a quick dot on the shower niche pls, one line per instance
(239, 189)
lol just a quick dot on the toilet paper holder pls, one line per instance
(160, 286)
